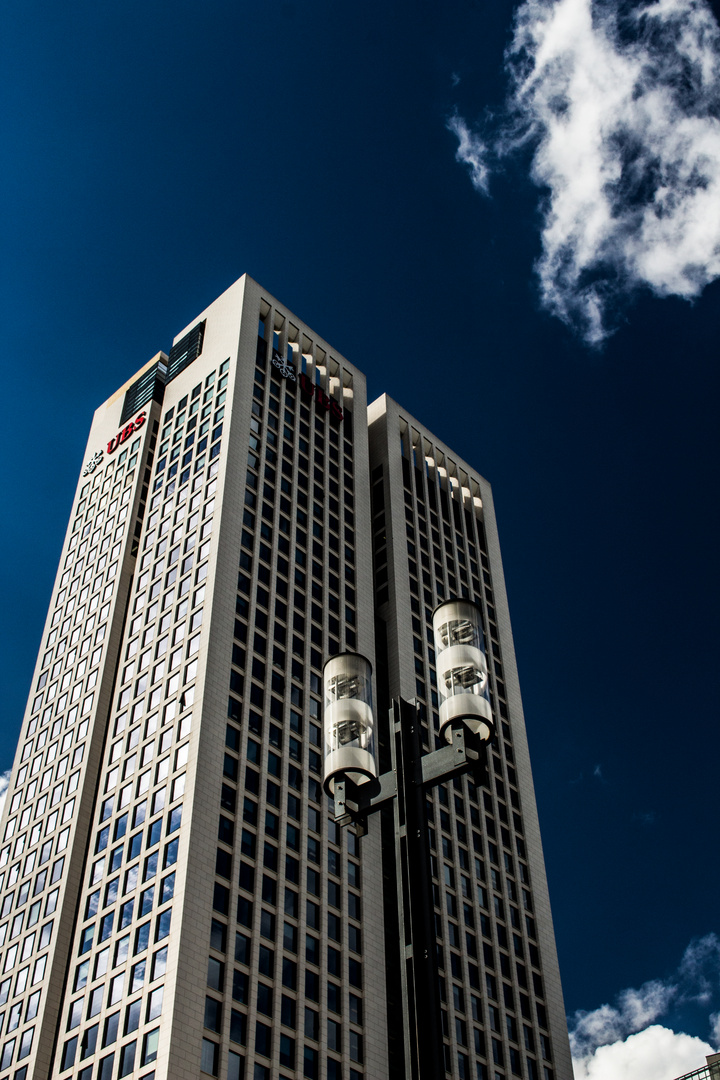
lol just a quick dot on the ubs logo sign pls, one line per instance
(121, 436)
(308, 388)
(126, 432)
(286, 369)
(93, 463)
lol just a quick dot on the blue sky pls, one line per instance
(155, 152)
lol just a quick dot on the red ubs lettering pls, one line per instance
(126, 432)
(322, 400)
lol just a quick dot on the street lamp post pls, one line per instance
(350, 776)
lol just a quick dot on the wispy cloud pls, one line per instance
(635, 1010)
(621, 106)
(699, 972)
(715, 1028)
(472, 151)
(615, 1042)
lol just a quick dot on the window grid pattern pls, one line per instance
(113, 1003)
(285, 944)
(42, 810)
(494, 1017)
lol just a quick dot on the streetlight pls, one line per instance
(348, 721)
(350, 776)
(462, 668)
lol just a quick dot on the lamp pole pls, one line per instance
(467, 727)
(405, 785)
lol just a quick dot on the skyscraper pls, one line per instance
(176, 899)
(435, 537)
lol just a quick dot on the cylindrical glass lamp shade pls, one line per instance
(462, 668)
(348, 722)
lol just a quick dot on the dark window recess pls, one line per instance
(149, 387)
(186, 350)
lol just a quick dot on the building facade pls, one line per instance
(435, 537)
(709, 1071)
(176, 899)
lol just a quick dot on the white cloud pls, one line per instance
(607, 1024)
(623, 1042)
(4, 783)
(657, 1053)
(622, 109)
(473, 152)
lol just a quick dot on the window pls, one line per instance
(218, 935)
(334, 997)
(87, 939)
(356, 1047)
(213, 1014)
(159, 964)
(126, 913)
(287, 1051)
(142, 937)
(215, 974)
(356, 1010)
(137, 978)
(312, 949)
(68, 1055)
(106, 1067)
(150, 1046)
(75, 1015)
(287, 1012)
(310, 1063)
(209, 1057)
(242, 948)
(311, 1024)
(266, 961)
(162, 926)
(167, 889)
(238, 1027)
(95, 1003)
(334, 1036)
(132, 1017)
(111, 1029)
(263, 1041)
(269, 890)
(264, 999)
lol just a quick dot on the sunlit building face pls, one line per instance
(176, 898)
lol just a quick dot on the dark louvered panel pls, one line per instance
(150, 386)
(186, 350)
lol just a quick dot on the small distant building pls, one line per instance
(709, 1071)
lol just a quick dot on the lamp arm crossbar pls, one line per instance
(354, 802)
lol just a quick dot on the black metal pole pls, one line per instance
(424, 1057)
(413, 771)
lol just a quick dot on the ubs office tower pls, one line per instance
(176, 899)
